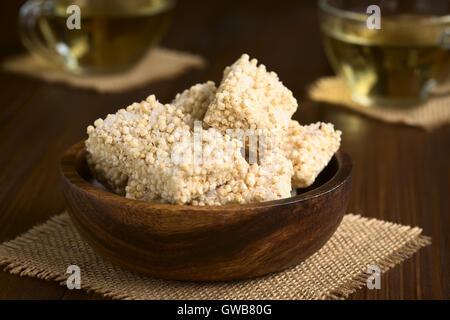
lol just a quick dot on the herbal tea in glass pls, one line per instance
(113, 34)
(396, 65)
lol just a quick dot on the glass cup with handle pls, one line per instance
(93, 36)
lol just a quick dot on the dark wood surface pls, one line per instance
(401, 174)
(205, 243)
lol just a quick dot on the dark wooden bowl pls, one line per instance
(205, 243)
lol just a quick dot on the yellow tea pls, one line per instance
(396, 64)
(109, 39)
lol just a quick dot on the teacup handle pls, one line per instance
(28, 16)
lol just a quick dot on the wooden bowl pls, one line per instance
(205, 243)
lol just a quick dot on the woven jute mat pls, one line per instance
(431, 114)
(158, 64)
(334, 272)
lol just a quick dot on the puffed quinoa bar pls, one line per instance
(270, 180)
(195, 100)
(310, 148)
(109, 176)
(140, 191)
(249, 97)
(150, 143)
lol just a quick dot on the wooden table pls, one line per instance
(401, 174)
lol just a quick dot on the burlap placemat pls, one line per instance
(429, 115)
(334, 272)
(158, 64)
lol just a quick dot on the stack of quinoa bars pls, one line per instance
(235, 143)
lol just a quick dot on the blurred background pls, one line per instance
(221, 31)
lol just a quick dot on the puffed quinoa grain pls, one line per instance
(310, 148)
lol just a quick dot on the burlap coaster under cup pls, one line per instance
(429, 115)
(158, 64)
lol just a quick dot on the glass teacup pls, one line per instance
(394, 63)
(92, 36)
